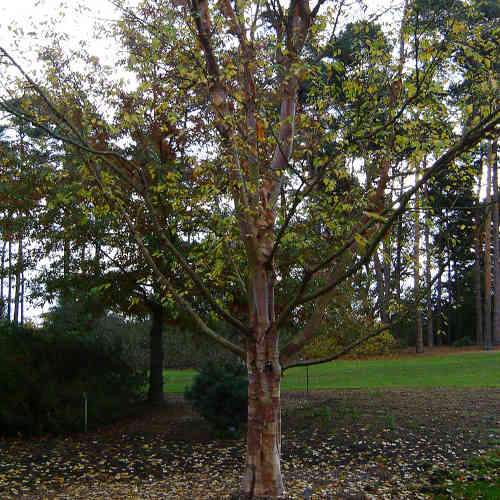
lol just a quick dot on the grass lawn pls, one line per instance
(475, 369)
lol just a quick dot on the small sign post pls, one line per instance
(85, 407)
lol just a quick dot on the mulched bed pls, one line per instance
(338, 444)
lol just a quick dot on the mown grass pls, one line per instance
(476, 369)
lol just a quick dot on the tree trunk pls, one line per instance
(262, 477)
(478, 253)
(416, 273)
(478, 302)
(487, 255)
(459, 326)
(9, 292)
(496, 250)
(430, 329)
(397, 270)
(2, 271)
(22, 297)
(439, 336)
(449, 287)
(381, 289)
(17, 292)
(386, 270)
(156, 392)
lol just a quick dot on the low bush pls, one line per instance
(219, 394)
(324, 345)
(463, 342)
(43, 376)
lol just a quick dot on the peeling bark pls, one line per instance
(262, 476)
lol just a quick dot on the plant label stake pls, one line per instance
(85, 406)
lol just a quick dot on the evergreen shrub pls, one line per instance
(43, 376)
(219, 394)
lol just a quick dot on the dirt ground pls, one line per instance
(339, 444)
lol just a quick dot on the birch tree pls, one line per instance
(253, 106)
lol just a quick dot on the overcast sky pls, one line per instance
(27, 13)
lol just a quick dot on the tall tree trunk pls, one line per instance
(478, 253)
(487, 254)
(496, 249)
(66, 258)
(22, 297)
(458, 329)
(381, 289)
(9, 292)
(17, 292)
(449, 287)
(416, 272)
(386, 269)
(156, 392)
(2, 272)
(397, 270)
(97, 258)
(478, 301)
(439, 322)
(430, 329)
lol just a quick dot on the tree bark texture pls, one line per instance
(487, 255)
(496, 248)
(451, 300)
(439, 319)
(262, 476)
(478, 255)
(22, 297)
(416, 274)
(17, 291)
(398, 266)
(381, 289)
(428, 282)
(2, 272)
(9, 291)
(478, 301)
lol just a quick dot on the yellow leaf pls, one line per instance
(260, 131)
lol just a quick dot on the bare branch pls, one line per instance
(326, 359)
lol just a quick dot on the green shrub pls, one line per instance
(463, 342)
(43, 376)
(324, 345)
(219, 394)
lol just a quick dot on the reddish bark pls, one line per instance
(262, 476)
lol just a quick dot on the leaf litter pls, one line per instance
(337, 444)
